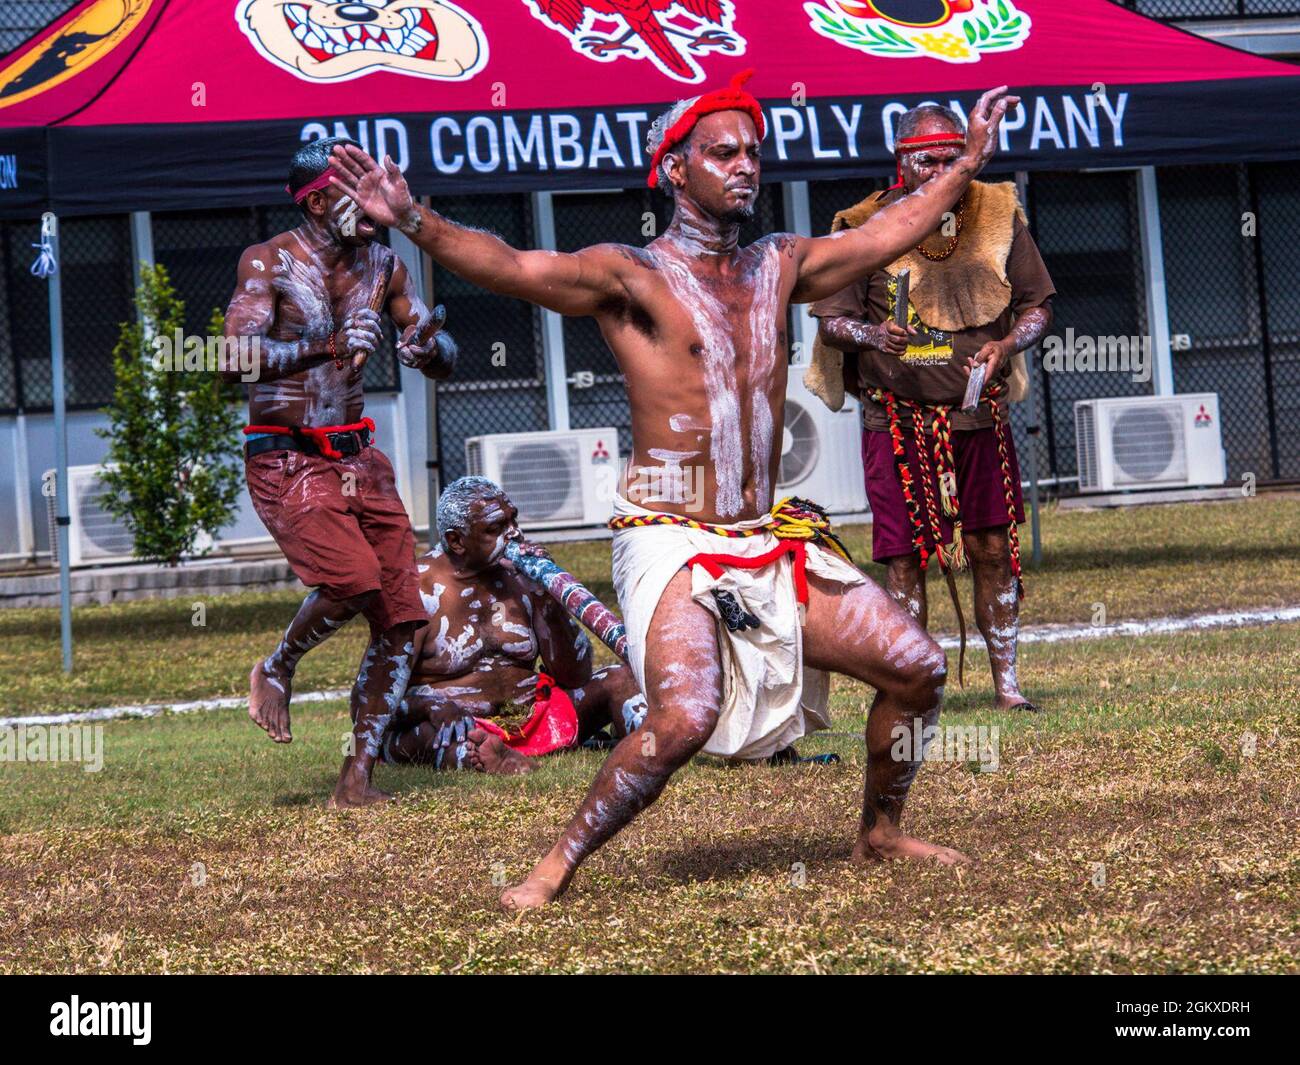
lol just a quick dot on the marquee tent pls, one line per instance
(163, 104)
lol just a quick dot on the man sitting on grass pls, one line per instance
(476, 661)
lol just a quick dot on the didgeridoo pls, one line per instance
(574, 596)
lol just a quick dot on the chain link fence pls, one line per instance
(95, 265)
(1229, 233)
(19, 19)
(1086, 226)
(500, 386)
(201, 251)
(1276, 200)
(1190, 10)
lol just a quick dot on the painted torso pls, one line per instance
(312, 297)
(481, 646)
(702, 343)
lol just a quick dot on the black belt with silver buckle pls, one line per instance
(346, 444)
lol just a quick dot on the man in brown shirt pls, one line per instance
(941, 480)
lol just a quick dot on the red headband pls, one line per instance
(918, 144)
(322, 182)
(732, 98)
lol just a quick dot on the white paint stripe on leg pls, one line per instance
(1231, 619)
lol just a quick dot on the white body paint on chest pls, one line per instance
(726, 444)
(460, 651)
(432, 600)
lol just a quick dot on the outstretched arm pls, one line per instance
(827, 264)
(574, 283)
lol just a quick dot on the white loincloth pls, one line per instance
(769, 698)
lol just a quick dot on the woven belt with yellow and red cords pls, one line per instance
(795, 522)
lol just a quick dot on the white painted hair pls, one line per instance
(453, 504)
(910, 121)
(659, 130)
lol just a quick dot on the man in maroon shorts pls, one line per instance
(940, 479)
(311, 299)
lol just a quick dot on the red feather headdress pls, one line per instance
(732, 98)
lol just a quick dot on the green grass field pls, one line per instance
(1146, 822)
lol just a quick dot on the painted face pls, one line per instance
(920, 167)
(493, 522)
(338, 214)
(722, 168)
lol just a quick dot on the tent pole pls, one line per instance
(1153, 261)
(798, 219)
(62, 521)
(1032, 429)
(557, 376)
(432, 447)
(22, 483)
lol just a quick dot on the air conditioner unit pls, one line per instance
(1149, 442)
(821, 450)
(94, 534)
(555, 479)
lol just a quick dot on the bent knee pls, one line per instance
(678, 741)
(923, 678)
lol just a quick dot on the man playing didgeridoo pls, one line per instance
(311, 298)
(697, 324)
(489, 625)
(979, 296)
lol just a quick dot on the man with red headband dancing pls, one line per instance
(734, 609)
(941, 479)
(311, 299)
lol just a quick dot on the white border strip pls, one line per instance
(1233, 619)
(1038, 634)
(109, 713)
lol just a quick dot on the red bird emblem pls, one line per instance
(651, 29)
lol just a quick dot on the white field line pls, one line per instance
(1037, 634)
(108, 713)
(1232, 619)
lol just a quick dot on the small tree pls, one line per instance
(173, 430)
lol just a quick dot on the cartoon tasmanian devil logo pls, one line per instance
(670, 33)
(323, 41)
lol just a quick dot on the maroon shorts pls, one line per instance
(980, 489)
(346, 535)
